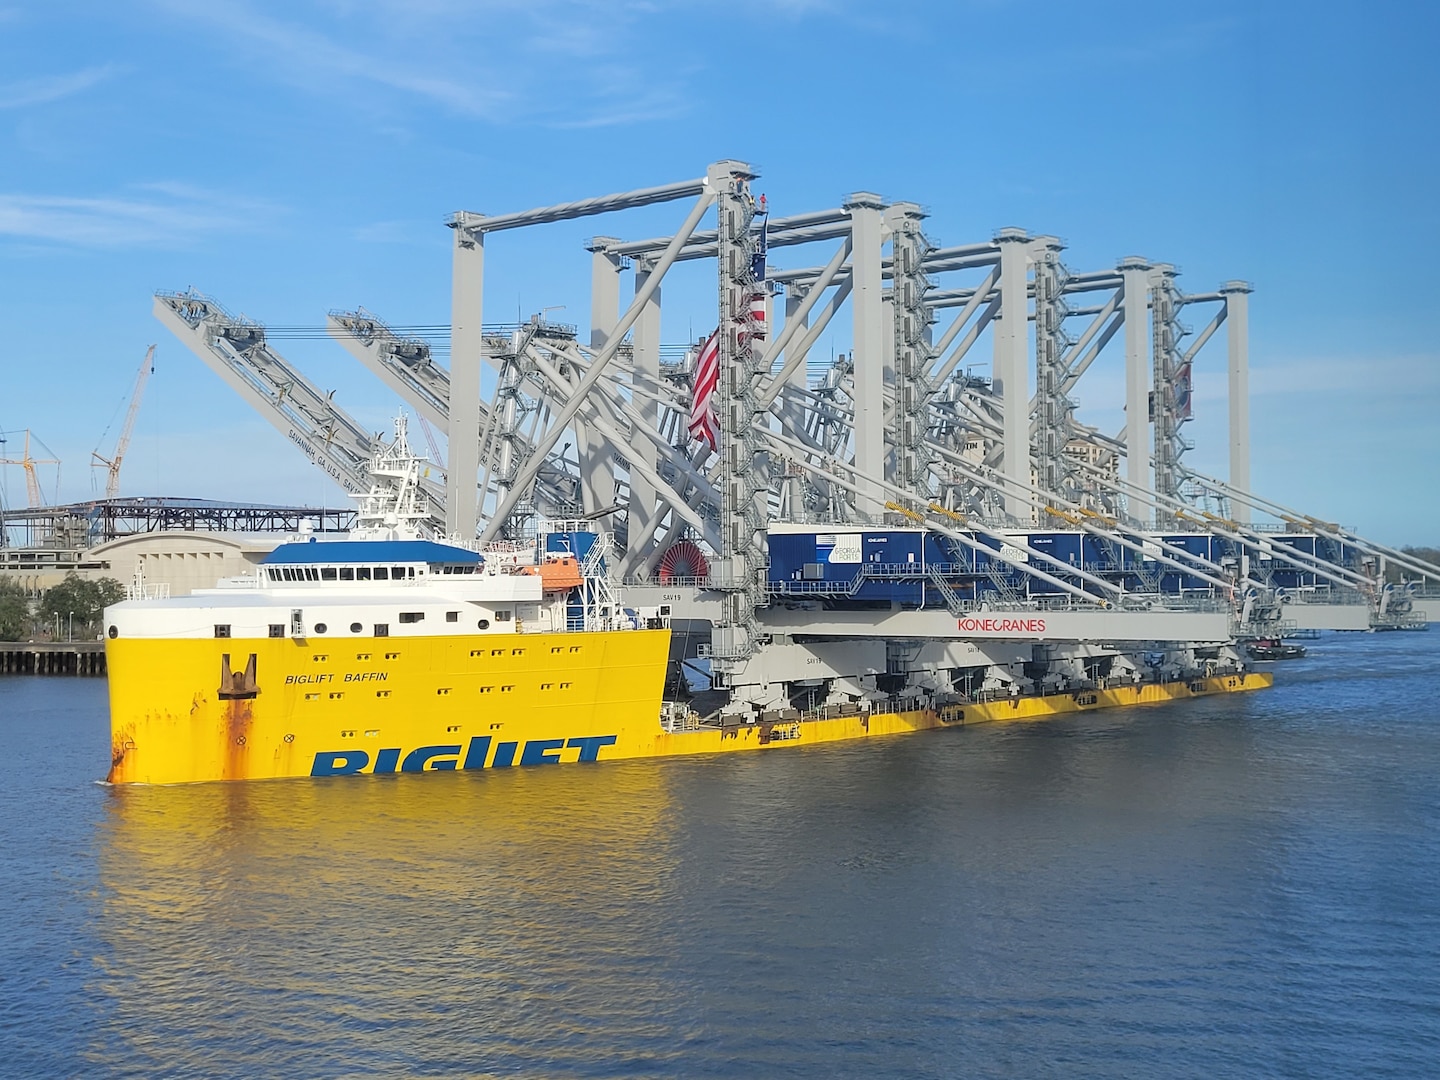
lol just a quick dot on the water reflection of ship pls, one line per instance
(344, 912)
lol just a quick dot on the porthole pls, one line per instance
(320, 628)
(355, 628)
(114, 631)
(483, 624)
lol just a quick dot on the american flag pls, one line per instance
(1183, 392)
(703, 425)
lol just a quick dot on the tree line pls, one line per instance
(77, 603)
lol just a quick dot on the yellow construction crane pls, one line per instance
(112, 481)
(32, 478)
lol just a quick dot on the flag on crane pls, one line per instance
(757, 271)
(1184, 393)
(703, 424)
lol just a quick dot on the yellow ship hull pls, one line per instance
(204, 709)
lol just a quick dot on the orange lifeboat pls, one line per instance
(558, 574)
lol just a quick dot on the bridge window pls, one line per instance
(327, 573)
(312, 574)
(347, 573)
(222, 629)
(362, 573)
(412, 616)
(399, 574)
(381, 573)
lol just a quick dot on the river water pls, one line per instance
(1236, 886)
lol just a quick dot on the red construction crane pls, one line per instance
(112, 482)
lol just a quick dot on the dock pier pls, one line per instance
(52, 658)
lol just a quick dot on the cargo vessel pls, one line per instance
(391, 651)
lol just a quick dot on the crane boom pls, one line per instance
(112, 481)
(33, 494)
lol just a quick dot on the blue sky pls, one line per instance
(293, 158)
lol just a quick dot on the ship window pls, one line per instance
(452, 616)
(398, 572)
(287, 574)
(336, 695)
(453, 727)
(355, 627)
(517, 652)
(477, 652)
(382, 629)
(412, 616)
(362, 656)
(347, 573)
(320, 658)
(486, 689)
(505, 689)
(442, 690)
(483, 624)
(382, 693)
(547, 686)
(564, 686)
(312, 697)
(497, 652)
(222, 629)
(312, 574)
(381, 574)
(277, 629)
(327, 573)
(362, 573)
(503, 615)
(320, 628)
(574, 648)
(554, 648)
(392, 656)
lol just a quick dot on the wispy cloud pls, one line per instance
(174, 215)
(42, 91)
(308, 56)
(559, 63)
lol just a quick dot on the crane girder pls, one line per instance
(236, 350)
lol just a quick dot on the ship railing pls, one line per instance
(674, 582)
